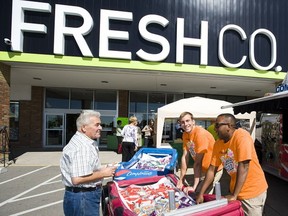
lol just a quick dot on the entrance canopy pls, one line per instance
(201, 108)
(273, 103)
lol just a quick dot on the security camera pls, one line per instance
(7, 41)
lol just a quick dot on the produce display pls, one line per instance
(152, 199)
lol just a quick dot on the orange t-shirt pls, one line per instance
(240, 148)
(201, 141)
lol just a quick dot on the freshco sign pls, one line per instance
(19, 27)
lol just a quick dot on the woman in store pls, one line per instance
(129, 142)
(148, 130)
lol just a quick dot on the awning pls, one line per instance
(275, 103)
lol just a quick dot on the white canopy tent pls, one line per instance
(201, 108)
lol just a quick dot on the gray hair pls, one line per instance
(84, 117)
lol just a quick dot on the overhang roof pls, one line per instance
(277, 103)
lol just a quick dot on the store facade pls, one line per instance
(124, 58)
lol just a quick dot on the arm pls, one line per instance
(96, 175)
(135, 137)
(119, 130)
(208, 180)
(197, 169)
(183, 168)
(145, 129)
(242, 172)
(123, 131)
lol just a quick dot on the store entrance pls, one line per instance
(61, 126)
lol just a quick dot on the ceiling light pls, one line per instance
(37, 78)
(163, 84)
(104, 81)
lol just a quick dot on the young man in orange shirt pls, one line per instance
(235, 150)
(199, 143)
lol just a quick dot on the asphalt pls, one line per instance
(276, 203)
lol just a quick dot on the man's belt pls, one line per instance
(82, 189)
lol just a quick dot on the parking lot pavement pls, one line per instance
(31, 190)
(32, 186)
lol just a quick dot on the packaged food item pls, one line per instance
(154, 199)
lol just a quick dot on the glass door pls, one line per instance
(54, 130)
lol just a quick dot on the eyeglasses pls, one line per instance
(218, 125)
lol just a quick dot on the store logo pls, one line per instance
(61, 30)
(284, 86)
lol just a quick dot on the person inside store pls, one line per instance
(235, 150)
(154, 132)
(199, 143)
(148, 130)
(139, 137)
(130, 141)
(81, 169)
(119, 136)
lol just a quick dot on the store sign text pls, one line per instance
(19, 26)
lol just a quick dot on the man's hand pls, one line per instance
(199, 199)
(231, 198)
(188, 189)
(180, 184)
(109, 171)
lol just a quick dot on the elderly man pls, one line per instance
(81, 169)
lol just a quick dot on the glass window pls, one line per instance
(54, 121)
(57, 98)
(107, 125)
(14, 121)
(81, 99)
(107, 122)
(138, 102)
(156, 100)
(173, 97)
(54, 138)
(105, 100)
(54, 130)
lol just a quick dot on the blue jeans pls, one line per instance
(82, 203)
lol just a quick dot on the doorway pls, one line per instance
(71, 127)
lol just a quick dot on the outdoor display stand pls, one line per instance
(149, 197)
(148, 162)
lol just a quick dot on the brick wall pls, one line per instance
(31, 120)
(5, 94)
(123, 103)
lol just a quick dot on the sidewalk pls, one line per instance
(53, 158)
